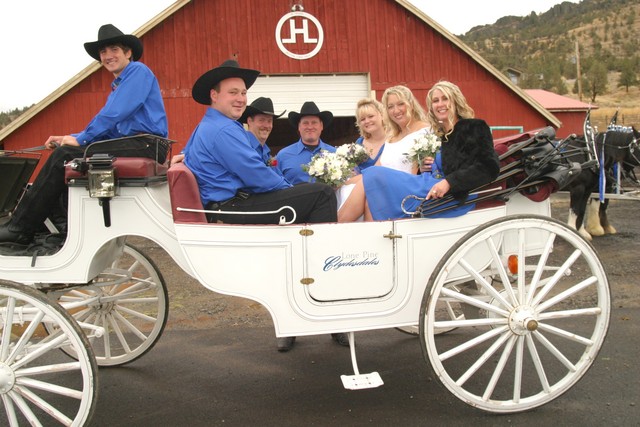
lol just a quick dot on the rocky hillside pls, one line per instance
(603, 36)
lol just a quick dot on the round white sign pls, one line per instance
(302, 30)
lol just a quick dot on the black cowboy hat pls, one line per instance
(109, 35)
(310, 108)
(230, 68)
(261, 105)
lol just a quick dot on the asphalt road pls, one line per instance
(216, 364)
(234, 376)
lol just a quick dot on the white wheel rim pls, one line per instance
(521, 349)
(40, 384)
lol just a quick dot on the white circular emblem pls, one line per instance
(302, 30)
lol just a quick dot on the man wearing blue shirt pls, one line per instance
(310, 122)
(231, 175)
(133, 107)
(259, 118)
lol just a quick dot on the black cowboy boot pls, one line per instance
(13, 233)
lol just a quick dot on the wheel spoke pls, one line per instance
(517, 380)
(537, 363)
(565, 334)
(10, 410)
(562, 271)
(16, 396)
(24, 339)
(484, 285)
(497, 372)
(540, 268)
(42, 404)
(474, 302)
(566, 294)
(502, 271)
(473, 342)
(554, 351)
(118, 331)
(484, 358)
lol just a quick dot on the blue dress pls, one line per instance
(370, 161)
(385, 188)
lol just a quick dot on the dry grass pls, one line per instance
(617, 98)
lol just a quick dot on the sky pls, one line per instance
(43, 39)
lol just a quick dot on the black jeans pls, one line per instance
(312, 203)
(44, 196)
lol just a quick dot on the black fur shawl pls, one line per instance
(468, 157)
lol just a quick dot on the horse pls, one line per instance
(620, 146)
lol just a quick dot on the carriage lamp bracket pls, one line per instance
(102, 182)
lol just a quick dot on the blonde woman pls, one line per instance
(466, 160)
(371, 123)
(407, 121)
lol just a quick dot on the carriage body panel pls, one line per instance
(312, 278)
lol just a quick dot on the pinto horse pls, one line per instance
(620, 146)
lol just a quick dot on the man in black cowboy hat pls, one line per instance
(134, 106)
(231, 175)
(310, 122)
(259, 117)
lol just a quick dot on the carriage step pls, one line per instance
(359, 381)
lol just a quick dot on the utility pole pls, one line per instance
(578, 74)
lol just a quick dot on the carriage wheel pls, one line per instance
(529, 333)
(129, 300)
(40, 385)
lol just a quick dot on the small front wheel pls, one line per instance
(536, 307)
(39, 384)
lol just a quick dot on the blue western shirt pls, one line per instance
(133, 107)
(291, 158)
(220, 154)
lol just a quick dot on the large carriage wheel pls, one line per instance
(129, 300)
(536, 311)
(39, 384)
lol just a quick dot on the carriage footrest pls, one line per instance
(358, 382)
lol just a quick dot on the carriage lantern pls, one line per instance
(102, 182)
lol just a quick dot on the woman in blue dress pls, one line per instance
(466, 160)
(373, 130)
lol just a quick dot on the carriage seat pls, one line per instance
(127, 168)
(184, 193)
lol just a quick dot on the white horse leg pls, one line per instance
(592, 218)
(571, 222)
(604, 222)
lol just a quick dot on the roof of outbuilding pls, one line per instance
(554, 102)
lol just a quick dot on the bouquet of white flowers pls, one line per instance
(426, 145)
(335, 168)
(353, 153)
(329, 168)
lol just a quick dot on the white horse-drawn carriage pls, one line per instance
(520, 294)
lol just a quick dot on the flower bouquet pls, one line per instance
(354, 153)
(426, 145)
(329, 168)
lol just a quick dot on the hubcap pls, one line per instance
(522, 320)
(7, 378)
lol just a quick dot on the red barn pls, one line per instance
(333, 52)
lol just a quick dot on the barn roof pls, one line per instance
(556, 103)
(147, 27)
